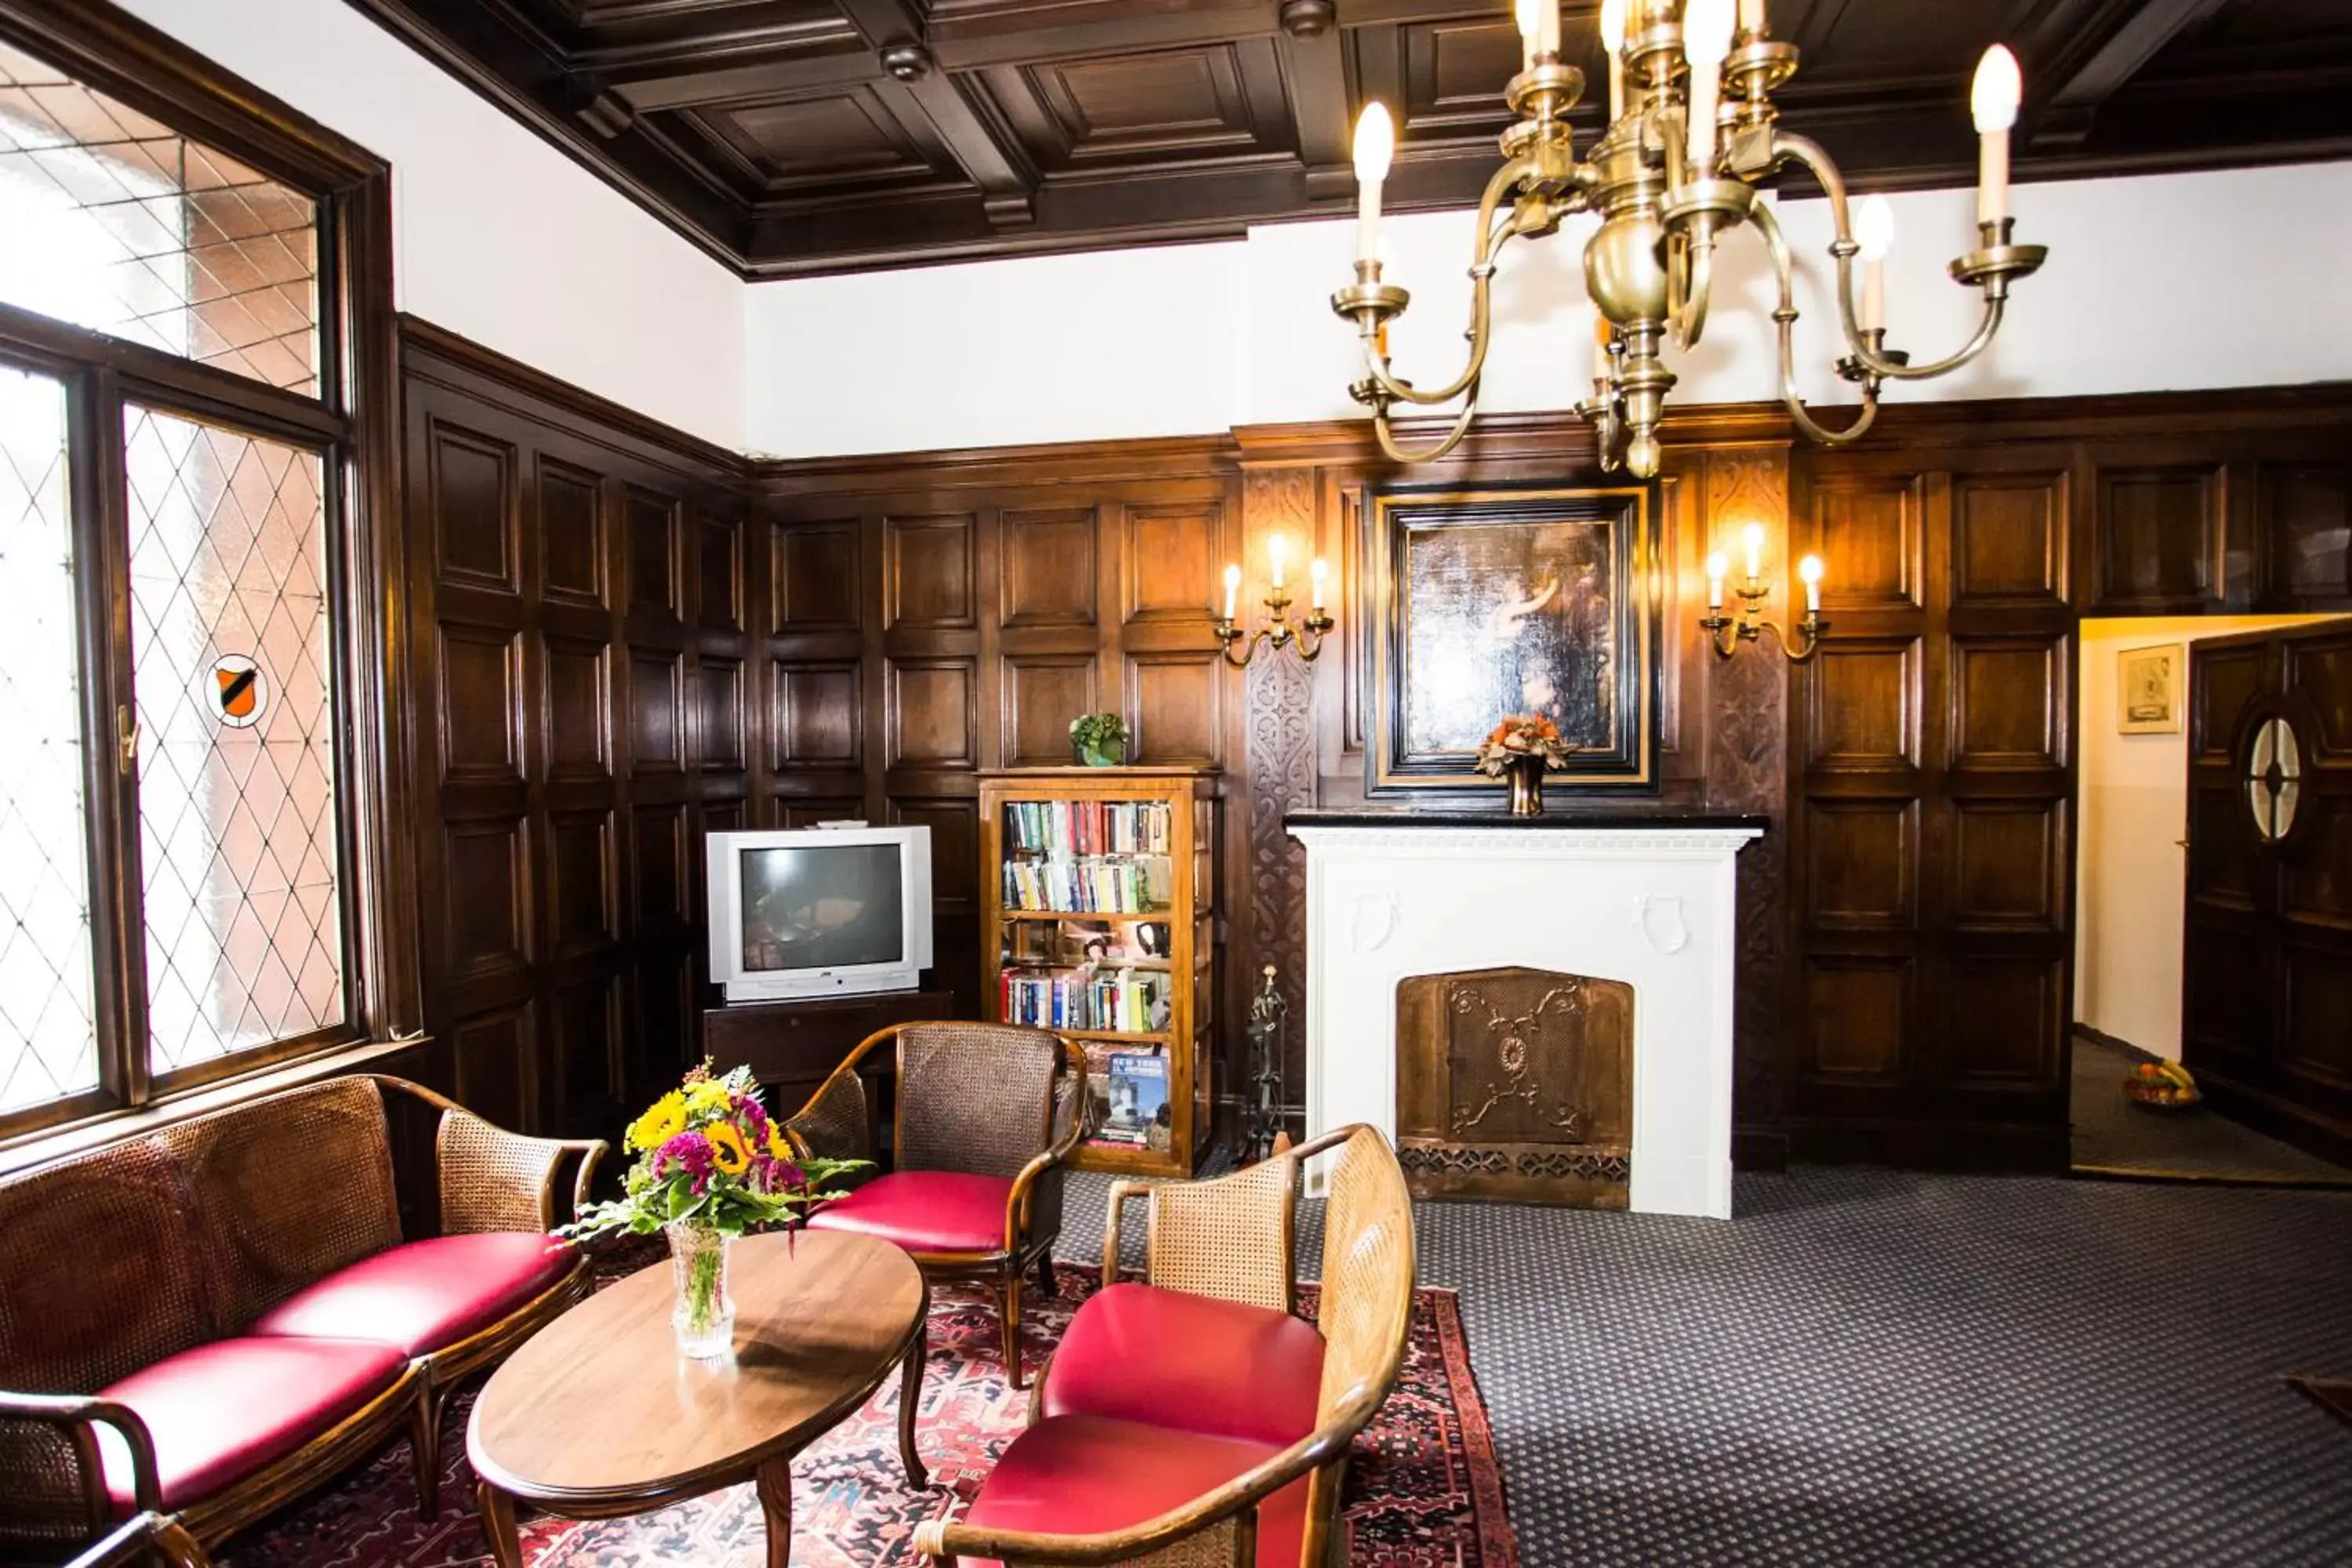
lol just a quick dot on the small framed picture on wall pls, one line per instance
(2147, 689)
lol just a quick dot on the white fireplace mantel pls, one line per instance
(1650, 900)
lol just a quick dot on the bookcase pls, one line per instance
(1099, 905)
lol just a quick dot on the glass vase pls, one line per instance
(704, 1318)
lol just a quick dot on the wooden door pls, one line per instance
(1930, 829)
(2266, 959)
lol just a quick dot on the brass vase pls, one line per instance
(1525, 774)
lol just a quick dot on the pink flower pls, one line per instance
(690, 1152)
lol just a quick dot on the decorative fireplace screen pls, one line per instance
(1516, 1084)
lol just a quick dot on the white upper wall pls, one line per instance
(499, 237)
(1195, 338)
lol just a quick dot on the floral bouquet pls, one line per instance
(1521, 738)
(711, 1165)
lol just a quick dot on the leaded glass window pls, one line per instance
(116, 223)
(182, 860)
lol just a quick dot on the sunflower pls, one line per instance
(663, 1121)
(778, 1146)
(727, 1150)
(710, 1094)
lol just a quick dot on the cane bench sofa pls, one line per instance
(1193, 1420)
(205, 1321)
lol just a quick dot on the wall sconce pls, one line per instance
(1729, 632)
(1278, 630)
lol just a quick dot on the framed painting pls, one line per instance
(2147, 689)
(1482, 603)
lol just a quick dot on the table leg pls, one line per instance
(497, 1509)
(910, 1395)
(774, 1482)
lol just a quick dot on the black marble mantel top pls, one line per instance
(1420, 817)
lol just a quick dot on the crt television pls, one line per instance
(821, 912)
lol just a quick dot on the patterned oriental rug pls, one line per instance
(1424, 1488)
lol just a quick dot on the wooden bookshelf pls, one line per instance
(1137, 978)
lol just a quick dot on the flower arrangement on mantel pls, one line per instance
(711, 1165)
(1521, 748)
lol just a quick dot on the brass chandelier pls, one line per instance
(1692, 134)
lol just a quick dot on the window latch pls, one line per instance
(126, 732)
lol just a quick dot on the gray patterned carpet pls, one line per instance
(1877, 1367)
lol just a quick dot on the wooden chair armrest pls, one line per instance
(1124, 1188)
(842, 1079)
(1073, 1094)
(74, 1419)
(141, 1541)
(1161, 1541)
(491, 1179)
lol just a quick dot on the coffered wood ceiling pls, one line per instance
(798, 136)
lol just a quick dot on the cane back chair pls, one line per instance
(984, 1116)
(1108, 1429)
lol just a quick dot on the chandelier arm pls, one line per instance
(1809, 153)
(1453, 437)
(1492, 237)
(1785, 319)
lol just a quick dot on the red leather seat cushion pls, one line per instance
(221, 1411)
(424, 1296)
(924, 1211)
(1080, 1474)
(1171, 1359)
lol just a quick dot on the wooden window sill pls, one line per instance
(114, 1126)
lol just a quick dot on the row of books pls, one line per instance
(1130, 1001)
(1060, 827)
(1097, 884)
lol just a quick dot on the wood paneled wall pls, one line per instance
(623, 637)
(1932, 745)
(577, 607)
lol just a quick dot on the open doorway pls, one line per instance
(2132, 794)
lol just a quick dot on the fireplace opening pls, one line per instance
(1516, 1085)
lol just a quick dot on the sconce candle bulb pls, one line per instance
(1315, 573)
(1718, 567)
(1233, 589)
(1278, 631)
(1809, 569)
(1753, 537)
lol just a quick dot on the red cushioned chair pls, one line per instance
(985, 1115)
(203, 1322)
(1192, 1421)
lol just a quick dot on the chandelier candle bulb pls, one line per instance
(1752, 17)
(1993, 100)
(1753, 537)
(1706, 39)
(1717, 566)
(1601, 331)
(1873, 231)
(1548, 27)
(1530, 28)
(1233, 590)
(1613, 44)
(1809, 569)
(1375, 146)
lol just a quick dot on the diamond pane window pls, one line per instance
(49, 1043)
(114, 222)
(232, 649)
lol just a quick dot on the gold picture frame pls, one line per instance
(1588, 555)
(2147, 689)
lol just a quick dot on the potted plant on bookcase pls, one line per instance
(1099, 739)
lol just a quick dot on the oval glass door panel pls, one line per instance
(2274, 779)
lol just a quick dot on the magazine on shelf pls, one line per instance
(1135, 1093)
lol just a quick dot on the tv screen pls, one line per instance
(822, 907)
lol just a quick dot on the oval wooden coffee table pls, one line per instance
(598, 1414)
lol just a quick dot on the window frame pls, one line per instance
(351, 424)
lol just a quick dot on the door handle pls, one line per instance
(2180, 843)
(126, 738)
